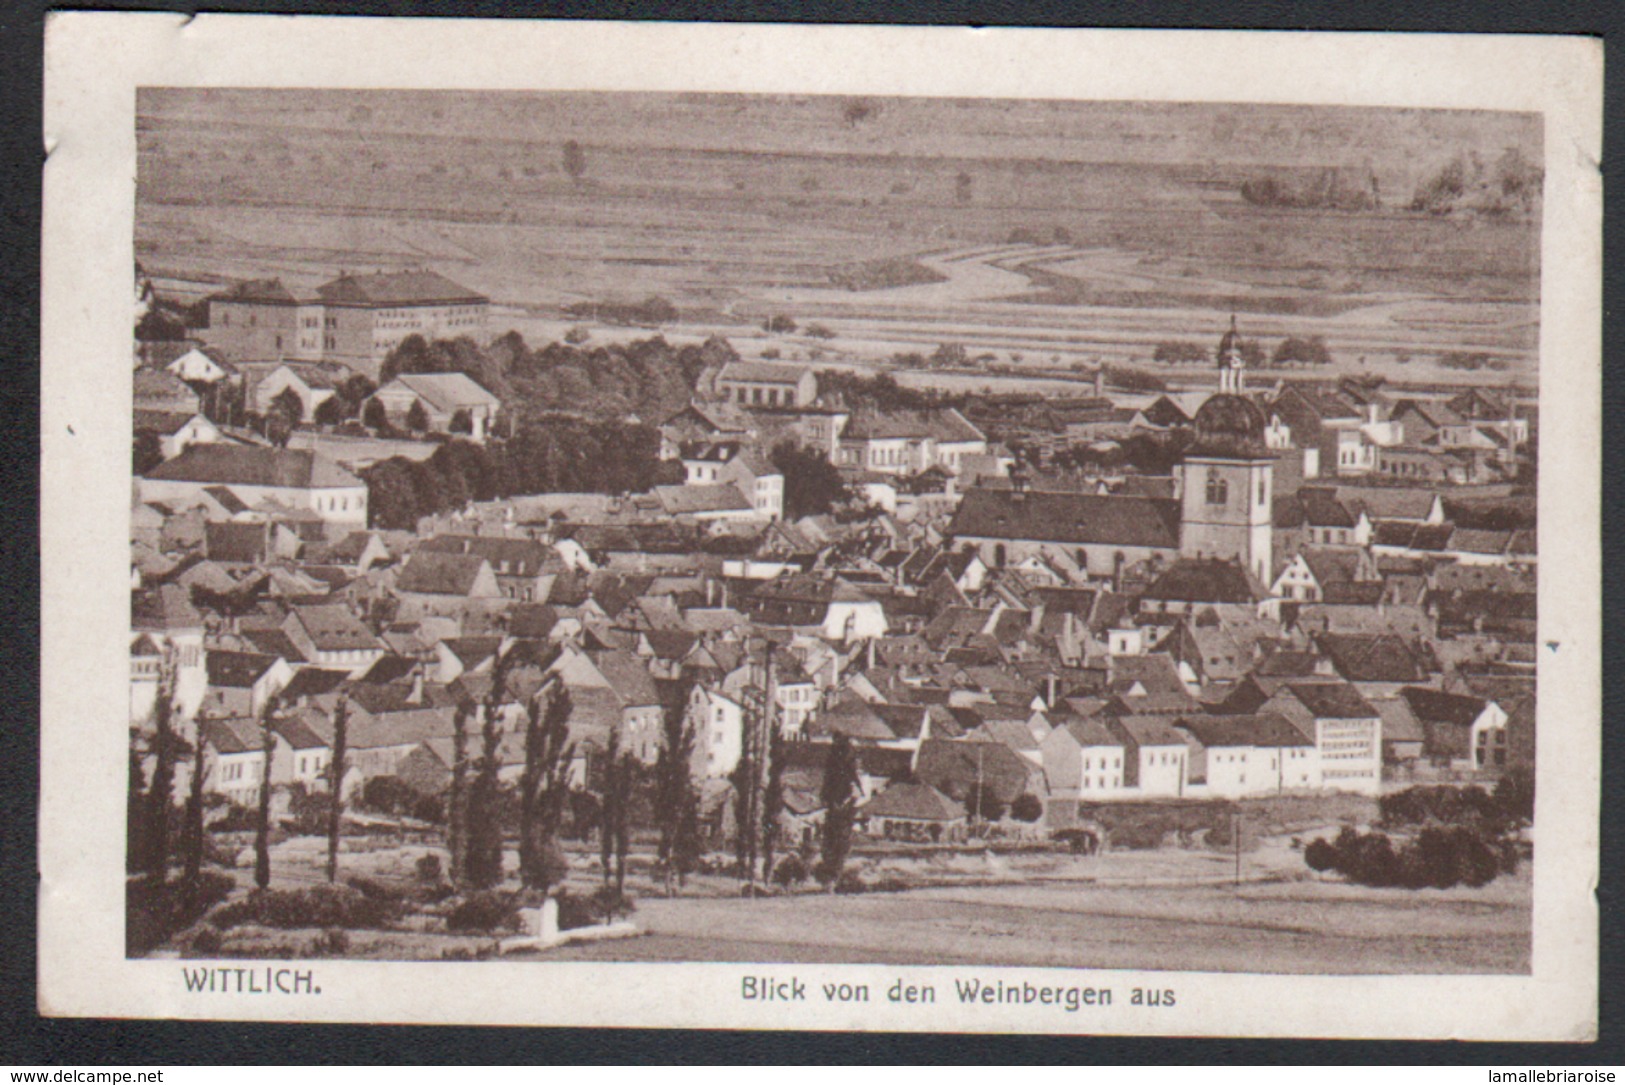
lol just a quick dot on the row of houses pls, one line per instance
(1004, 646)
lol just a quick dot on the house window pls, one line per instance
(1218, 490)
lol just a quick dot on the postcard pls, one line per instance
(810, 527)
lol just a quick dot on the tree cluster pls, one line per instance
(1180, 352)
(812, 485)
(648, 377)
(1438, 858)
(564, 455)
(652, 312)
(1512, 802)
(1470, 360)
(1324, 189)
(881, 392)
(1134, 380)
(1147, 453)
(1508, 187)
(1305, 350)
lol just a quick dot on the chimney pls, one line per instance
(871, 653)
(1100, 382)
(1049, 690)
(416, 696)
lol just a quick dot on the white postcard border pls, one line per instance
(94, 62)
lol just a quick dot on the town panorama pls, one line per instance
(708, 527)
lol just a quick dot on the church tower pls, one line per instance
(1227, 479)
(1232, 366)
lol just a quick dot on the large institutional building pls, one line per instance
(355, 319)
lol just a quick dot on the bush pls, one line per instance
(330, 411)
(205, 941)
(1028, 808)
(575, 911)
(790, 871)
(236, 819)
(377, 890)
(315, 906)
(417, 417)
(486, 911)
(387, 795)
(1515, 795)
(887, 884)
(577, 335)
(850, 883)
(308, 811)
(333, 942)
(428, 808)
(428, 868)
(609, 903)
(154, 912)
(377, 418)
(1320, 855)
(1078, 841)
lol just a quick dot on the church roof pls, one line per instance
(1229, 425)
(1068, 518)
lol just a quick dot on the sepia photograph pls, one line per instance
(593, 527)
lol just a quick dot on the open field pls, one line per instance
(1171, 908)
(1288, 927)
(1035, 231)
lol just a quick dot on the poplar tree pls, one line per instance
(160, 794)
(335, 776)
(614, 834)
(772, 799)
(135, 810)
(674, 785)
(193, 835)
(839, 796)
(544, 784)
(457, 806)
(262, 828)
(482, 861)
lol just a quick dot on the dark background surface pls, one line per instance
(27, 1040)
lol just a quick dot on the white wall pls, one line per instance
(1162, 770)
(338, 505)
(867, 620)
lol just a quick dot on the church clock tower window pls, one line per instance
(1218, 490)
